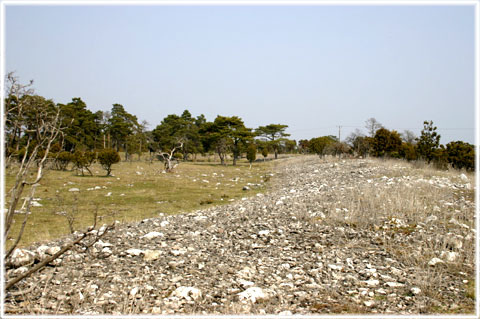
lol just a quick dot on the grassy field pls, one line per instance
(138, 190)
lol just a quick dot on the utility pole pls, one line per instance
(339, 128)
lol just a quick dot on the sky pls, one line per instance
(313, 68)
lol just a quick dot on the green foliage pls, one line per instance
(461, 155)
(251, 153)
(121, 125)
(272, 133)
(107, 158)
(363, 145)
(62, 160)
(386, 143)
(178, 155)
(226, 134)
(304, 146)
(407, 151)
(428, 142)
(318, 145)
(265, 152)
(24, 114)
(336, 148)
(440, 158)
(80, 127)
(288, 146)
(83, 160)
(174, 129)
(31, 148)
(55, 148)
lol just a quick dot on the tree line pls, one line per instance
(83, 133)
(381, 142)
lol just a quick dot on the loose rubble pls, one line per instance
(304, 247)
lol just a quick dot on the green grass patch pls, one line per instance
(138, 190)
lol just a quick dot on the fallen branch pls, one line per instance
(64, 249)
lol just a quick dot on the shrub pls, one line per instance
(178, 156)
(107, 158)
(439, 158)
(407, 151)
(55, 148)
(428, 142)
(461, 155)
(251, 153)
(83, 160)
(63, 159)
(264, 153)
(386, 143)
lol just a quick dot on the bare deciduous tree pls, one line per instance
(372, 125)
(36, 121)
(408, 137)
(168, 157)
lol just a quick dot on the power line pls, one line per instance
(395, 128)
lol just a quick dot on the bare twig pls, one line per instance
(64, 249)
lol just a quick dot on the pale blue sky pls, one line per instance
(310, 67)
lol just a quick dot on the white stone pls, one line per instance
(22, 257)
(73, 189)
(372, 282)
(246, 283)
(464, 178)
(177, 252)
(20, 270)
(369, 303)
(102, 244)
(164, 223)
(335, 267)
(381, 291)
(152, 235)
(431, 218)
(151, 255)
(252, 294)
(134, 252)
(263, 232)
(450, 256)
(41, 251)
(134, 291)
(393, 284)
(434, 261)
(189, 293)
(52, 250)
(415, 290)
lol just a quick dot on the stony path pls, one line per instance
(329, 237)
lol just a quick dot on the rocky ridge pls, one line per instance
(303, 247)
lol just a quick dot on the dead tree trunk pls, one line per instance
(168, 158)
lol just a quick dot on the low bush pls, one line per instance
(107, 158)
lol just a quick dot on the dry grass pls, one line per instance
(138, 190)
(396, 205)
